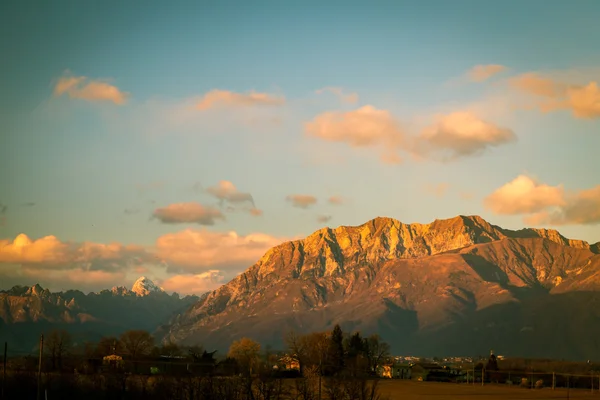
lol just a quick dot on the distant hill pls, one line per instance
(455, 286)
(25, 312)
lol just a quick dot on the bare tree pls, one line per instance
(310, 350)
(57, 345)
(109, 345)
(377, 351)
(137, 343)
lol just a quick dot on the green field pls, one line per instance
(411, 390)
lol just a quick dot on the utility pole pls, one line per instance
(4, 368)
(39, 382)
(320, 373)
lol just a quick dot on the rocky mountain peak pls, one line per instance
(35, 290)
(144, 286)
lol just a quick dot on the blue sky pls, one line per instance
(84, 157)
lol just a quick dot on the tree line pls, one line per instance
(314, 366)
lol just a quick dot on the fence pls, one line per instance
(535, 379)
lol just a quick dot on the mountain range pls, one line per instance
(25, 312)
(459, 286)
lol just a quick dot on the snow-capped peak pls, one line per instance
(144, 286)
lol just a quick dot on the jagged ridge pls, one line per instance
(441, 271)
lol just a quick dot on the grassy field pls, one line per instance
(410, 390)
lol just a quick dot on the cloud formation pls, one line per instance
(583, 101)
(50, 253)
(463, 134)
(438, 190)
(302, 200)
(181, 213)
(323, 218)
(364, 127)
(142, 188)
(194, 284)
(545, 204)
(451, 136)
(481, 73)
(348, 98)
(524, 195)
(224, 99)
(226, 191)
(81, 87)
(197, 251)
(335, 200)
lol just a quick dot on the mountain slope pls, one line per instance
(406, 281)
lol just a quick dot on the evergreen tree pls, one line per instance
(336, 350)
(355, 345)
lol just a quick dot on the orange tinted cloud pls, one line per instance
(438, 190)
(580, 207)
(224, 98)
(336, 200)
(451, 136)
(226, 191)
(480, 73)
(81, 87)
(196, 251)
(536, 84)
(584, 101)
(551, 95)
(50, 253)
(195, 213)
(75, 278)
(322, 219)
(194, 284)
(524, 195)
(349, 98)
(302, 200)
(462, 134)
(363, 127)
(545, 204)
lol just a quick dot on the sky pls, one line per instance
(181, 140)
